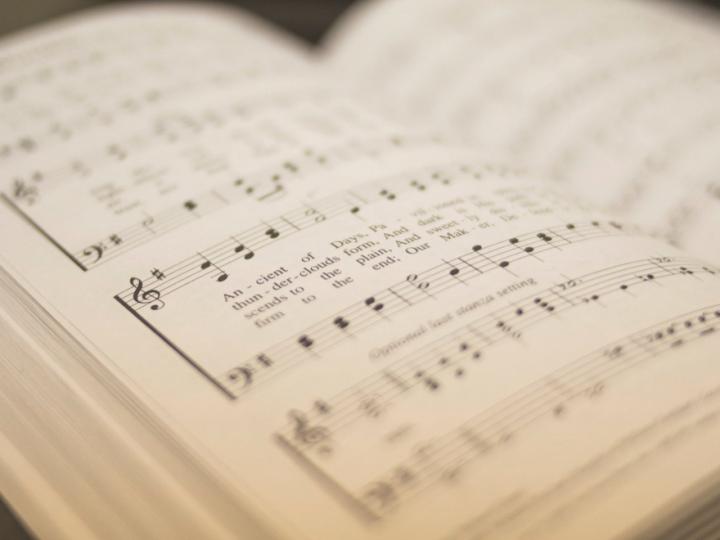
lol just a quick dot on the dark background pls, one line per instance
(307, 18)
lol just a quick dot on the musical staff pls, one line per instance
(304, 217)
(550, 396)
(177, 82)
(452, 356)
(416, 288)
(261, 185)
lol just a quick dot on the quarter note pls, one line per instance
(417, 185)
(207, 263)
(305, 341)
(544, 237)
(341, 323)
(430, 382)
(147, 222)
(21, 191)
(322, 407)
(374, 304)
(240, 248)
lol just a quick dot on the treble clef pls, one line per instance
(150, 297)
(308, 435)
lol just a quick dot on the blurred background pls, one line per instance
(306, 18)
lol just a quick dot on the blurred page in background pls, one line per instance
(616, 101)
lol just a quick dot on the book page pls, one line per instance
(616, 101)
(361, 331)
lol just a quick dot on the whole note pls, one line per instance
(414, 279)
(149, 297)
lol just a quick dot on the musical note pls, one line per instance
(443, 453)
(149, 297)
(371, 407)
(417, 185)
(415, 280)
(374, 304)
(21, 191)
(430, 382)
(341, 323)
(508, 323)
(117, 152)
(331, 207)
(207, 263)
(544, 237)
(321, 407)
(315, 214)
(305, 341)
(240, 248)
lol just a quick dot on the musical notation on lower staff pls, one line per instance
(416, 288)
(262, 185)
(314, 433)
(246, 244)
(451, 357)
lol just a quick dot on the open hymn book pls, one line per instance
(454, 276)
